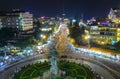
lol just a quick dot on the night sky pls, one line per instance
(90, 8)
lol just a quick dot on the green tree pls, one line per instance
(117, 46)
(7, 33)
(76, 32)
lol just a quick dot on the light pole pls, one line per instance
(73, 21)
(88, 41)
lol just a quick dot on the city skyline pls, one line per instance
(92, 8)
(60, 39)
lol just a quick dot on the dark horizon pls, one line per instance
(91, 8)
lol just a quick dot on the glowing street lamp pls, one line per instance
(41, 35)
(116, 21)
(89, 40)
(74, 20)
(44, 37)
(72, 40)
(88, 36)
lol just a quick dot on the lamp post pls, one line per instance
(73, 21)
(43, 37)
(88, 41)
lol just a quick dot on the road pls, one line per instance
(109, 62)
(102, 71)
(10, 69)
(111, 65)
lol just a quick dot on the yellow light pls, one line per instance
(86, 31)
(116, 20)
(15, 50)
(44, 37)
(72, 40)
(118, 29)
(98, 23)
(68, 31)
(86, 37)
(43, 22)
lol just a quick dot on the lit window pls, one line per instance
(16, 23)
(8, 23)
(17, 27)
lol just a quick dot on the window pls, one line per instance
(16, 23)
(8, 23)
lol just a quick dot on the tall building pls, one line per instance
(103, 35)
(16, 19)
(114, 15)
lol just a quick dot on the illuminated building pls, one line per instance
(104, 35)
(16, 19)
(67, 21)
(114, 15)
(81, 23)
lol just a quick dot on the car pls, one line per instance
(15, 50)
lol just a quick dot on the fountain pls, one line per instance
(54, 68)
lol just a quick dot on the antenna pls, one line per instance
(82, 17)
(63, 8)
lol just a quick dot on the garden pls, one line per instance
(71, 69)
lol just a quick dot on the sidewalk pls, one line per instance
(106, 51)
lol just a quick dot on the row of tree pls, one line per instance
(76, 32)
(6, 34)
(117, 46)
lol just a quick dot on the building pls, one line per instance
(106, 32)
(114, 15)
(104, 35)
(21, 20)
(67, 21)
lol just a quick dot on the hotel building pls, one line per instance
(21, 20)
(103, 35)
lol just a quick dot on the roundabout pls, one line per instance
(67, 70)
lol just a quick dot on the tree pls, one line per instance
(117, 46)
(61, 42)
(7, 33)
(76, 33)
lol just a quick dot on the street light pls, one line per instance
(74, 20)
(72, 40)
(41, 35)
(89, 41)
(44, 37)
